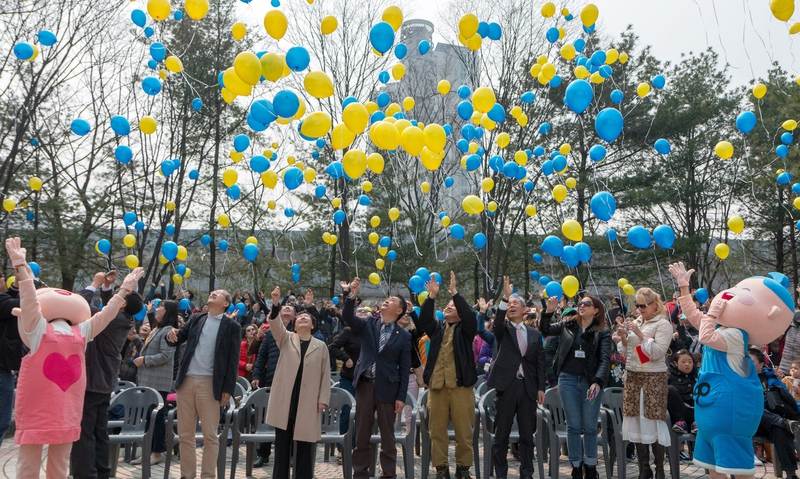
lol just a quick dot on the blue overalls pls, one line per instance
(728, 408)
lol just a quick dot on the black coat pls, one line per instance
(104, 351)
(683, 383)
(344, 346)
(463, 335)
(11, 346)
(226, 352)
(266, 361)
(597, 345)
(392, 364)
(508, 358)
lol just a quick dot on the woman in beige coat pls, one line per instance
(301, 389)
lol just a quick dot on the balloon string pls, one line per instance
(660, 279)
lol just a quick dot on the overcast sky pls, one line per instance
(744, 32)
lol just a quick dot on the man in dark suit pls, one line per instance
(517, 374)
(380, 378)
(206, 379)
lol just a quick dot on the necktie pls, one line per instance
(386, 330)
(523, 344)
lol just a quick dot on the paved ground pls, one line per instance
(330, 470)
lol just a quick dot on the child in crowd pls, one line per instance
(680, 402)
(792, 381)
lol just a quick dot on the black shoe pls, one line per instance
(462, 472)
(261, 462)
(590, 472)
(577, 472)
(442, 472)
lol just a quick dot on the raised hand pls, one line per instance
(432, 287)
(131, 281)
(681, 275)
(16, 253)
(309, 296)
(110, 278)
(355, 285)
(552, 304)
(507, 288)
(98, 279)
(275, 295)
(482, 305)
(452, 288)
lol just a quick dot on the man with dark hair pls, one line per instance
(11, 351)
(380, 378)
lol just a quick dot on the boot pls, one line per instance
(643, 455)
(658, 456)
(590, 472)
(577, 472)
(442, 472)
(462, 472)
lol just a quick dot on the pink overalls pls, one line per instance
(49, 402)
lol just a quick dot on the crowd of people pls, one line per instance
(385, 352)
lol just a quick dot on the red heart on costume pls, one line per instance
(63, 371)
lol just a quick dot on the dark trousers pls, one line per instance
(159, 431)
(6, 401)
(304, 463)
(512, 402)
(366, 409)
(783, 442)
(678, 410)
(89, 456)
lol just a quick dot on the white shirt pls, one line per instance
(202, 362)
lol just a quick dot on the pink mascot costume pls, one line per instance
(55, 325)
(728, 396)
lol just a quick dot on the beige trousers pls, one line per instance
(196, 400)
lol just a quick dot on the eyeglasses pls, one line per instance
(643, 306)
(585, 303)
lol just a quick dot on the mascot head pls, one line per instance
(62, 304)
(762, 306)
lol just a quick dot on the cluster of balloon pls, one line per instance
(783, 11)
(472, 31)
(25, 51)
(417, 282)
(626, 287)
(172, 252)
(250, 251)
(641, 238)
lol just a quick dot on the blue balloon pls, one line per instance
(423, 47)
(250, 252)
(286, 103)
(259, 164)
(603, 205)
(234, 192)
(464, 110)
(537, 258)
(547, 167)
(138, 17)
(606, 71)
(184, 304)
(746, 121)
(288, 212)
(545, 128)
(570, 256)
(335, 170)
(553, 289)
(151, 86)
(556, 81)
(178, 15)
(129, 218)
(120, 125)
(701, 295)
(335, 300)
(597, 153)
(339, 216)
(241, 142)
(529, 186)
(400, 50)
(497, 113)
(148, 32)
(483, 29)
(584, 252)
(262, 111)
(617, 96)
(479, 240)
(436, 277)
(297, 59)
(139, 226)
(384, 77)
(784, 178)
(194, 175)
(383, 99)
(528, 97)
(293, 177)
(457, 231)
(123, 154)
(473, 162)
(181, 269)
(158, 51)
(385, 241)
(787, 138)
(449, 181)
(782, 151)
(139, 317)
(169, 229)
(241, 309)
(423, 273)
(495, 31)
(80, 127)
(416, 284)
(319, 191)
(579, 44)
(639, 237)
(464, 92)
(223, 245)
(169, 250)
(608, 124)
(552, 34)
(559, 162)
(197, 104)
(35, 268)
(578, 95)
(664, 236)
(662, 146)
(391, 255)
(544, 279)
(796, 188)
(553, 246)
(381, 37)
(534, 275)
(598, 58)
(611, 234)
(658, 82)
(205, 240)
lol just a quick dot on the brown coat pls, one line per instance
(315, 388)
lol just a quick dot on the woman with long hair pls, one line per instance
(155, 367)
(582, 364)
(645, 341)
(246, 359)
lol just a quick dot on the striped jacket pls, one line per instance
(157, 370)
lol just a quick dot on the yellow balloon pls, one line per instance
(759, 90)
(430, 159)
(503, 139)
(177, 279)
(223, 220)
(374, 278)
(421, 297)
(724, 149)
(445, 221)
(196, 9)
(356, 117)
(373, 238)
(736, 224)
(247, 67)
(309, 175)
(589, 14)
(472, 205)
(271, 204)
(581, 72)
(796, 203)
(341, 137)
(530, 210)
(334, 239)
(425, 187)
(559, 193)
(393, 16)
(412, 139)
(35, 183)
(354, 163)
(273, 66)
(158, 9)
(612, 55)
(572, 230)
(230, 177)
(794, 29)
(394, 214)
(570, 285)
(435, 137)
(623, 58)
(398, 71)
(238, 31)
(565, 149)
(129, 240)
(269, 179)
(789, 125)
(782, 9)
(643, 89)
(148, 125)
(275, 24)
(235, 84)
(629, 290)
(336, 202)
(375, 163)
(722, 251)
(316, 125)
(188, 273)
(487, 185)
(132, 261)
(169, 205)
(622, 282)
(318, 84)
(182, 253)
(227, 95)
(328, 25)
(571, 183)
(384, 135)
(548, 10)
(174, 64)
(521, 158)
(408, 103)
(443, 87)
(568, 51)
(380, 263)
(367, 185)
(468, 25)
(9, 204)
(251, 240)
(491, 206)
(483, 99)
(375, 221)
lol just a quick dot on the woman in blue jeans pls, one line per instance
(582, 365)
